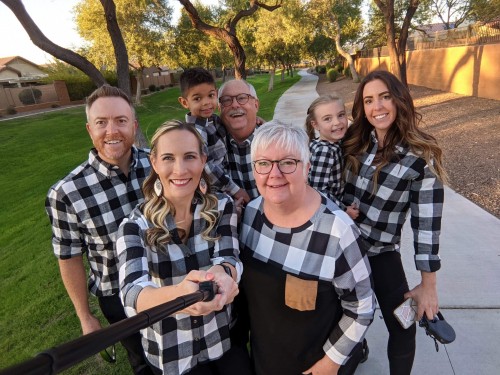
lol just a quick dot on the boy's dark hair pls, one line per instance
(193, 77)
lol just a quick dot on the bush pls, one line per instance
(152, 88)
(347, 72)
(162, 87)
(321, 69)
(11, 110)
(339, 68)
(332, 75)
(30, 96)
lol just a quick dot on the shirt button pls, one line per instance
(195, 321)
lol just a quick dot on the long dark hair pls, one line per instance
(405, 130)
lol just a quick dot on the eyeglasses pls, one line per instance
(109, 354)
(285, 166)
(227, 100)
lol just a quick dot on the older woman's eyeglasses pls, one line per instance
(285, 166)
(227, 100)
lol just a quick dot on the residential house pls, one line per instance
(16, 71)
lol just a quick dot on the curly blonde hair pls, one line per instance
(156, 209)
(404, 131)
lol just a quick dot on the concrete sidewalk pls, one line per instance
(468, 282)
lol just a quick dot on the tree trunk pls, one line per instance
(343, 52)
(138, 89)
(42, 42)
(271, 80)
(121, 55)
(239, 57)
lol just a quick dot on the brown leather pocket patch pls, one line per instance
(300, 294)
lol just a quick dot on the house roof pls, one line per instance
(4, 68)
(7, 60)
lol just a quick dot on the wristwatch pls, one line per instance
(227, 269)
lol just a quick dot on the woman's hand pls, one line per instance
(325, 366)
(425, 295)
(227, 290)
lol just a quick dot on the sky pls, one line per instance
(55, 20)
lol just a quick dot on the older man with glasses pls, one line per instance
(238, 105)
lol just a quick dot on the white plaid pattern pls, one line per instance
(178, 343)
(325, 174)
(86, 208)
(407, 183)
(216, 151)
(327, 248)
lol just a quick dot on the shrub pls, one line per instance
(339, 68)
(332, 75)
(321, 69)
(347, 72)
(152, 88)
(30, 96)
(11, 110)
(162, 87)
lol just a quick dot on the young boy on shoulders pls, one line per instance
(199, 96)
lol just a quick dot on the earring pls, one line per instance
(158, 187)
(203, 186)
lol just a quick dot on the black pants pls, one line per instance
(390, 286)
(113, 311)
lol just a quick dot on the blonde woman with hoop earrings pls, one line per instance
(181, 235)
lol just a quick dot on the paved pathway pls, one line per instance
(468, 282)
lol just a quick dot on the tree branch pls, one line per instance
(42, 42)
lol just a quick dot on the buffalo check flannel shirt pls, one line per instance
(406, 183)
(216, 153)
(239, 163)
(85, 210)
(325, 174)
(326, 247)
(178, 343)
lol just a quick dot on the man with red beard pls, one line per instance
(238, 105)
(87, 206)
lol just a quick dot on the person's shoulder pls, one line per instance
(72, 177)
(334, 212)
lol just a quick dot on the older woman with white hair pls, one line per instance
(306, 280)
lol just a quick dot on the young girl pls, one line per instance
(327, 115)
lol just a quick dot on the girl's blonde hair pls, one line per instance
(156, 209)
(405, 130)
(323, 99)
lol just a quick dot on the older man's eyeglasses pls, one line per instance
(227, 100)
(285, 166)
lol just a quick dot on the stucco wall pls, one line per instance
(467, 70)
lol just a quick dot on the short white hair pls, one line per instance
(290, 138)
(249, 85)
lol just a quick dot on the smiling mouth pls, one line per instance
(380, 117)
(113, 142)
(180, 182)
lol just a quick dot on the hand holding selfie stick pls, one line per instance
(57, 359)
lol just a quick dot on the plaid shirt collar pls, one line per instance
(106, 169)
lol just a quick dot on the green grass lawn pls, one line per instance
(35, 311)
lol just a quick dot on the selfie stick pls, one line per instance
(60, 358)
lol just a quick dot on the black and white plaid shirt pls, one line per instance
(327, 247)
(406, 183)
(178, 343)
(216, 152)
(85, 210)
(325, 174)
(239, 164)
